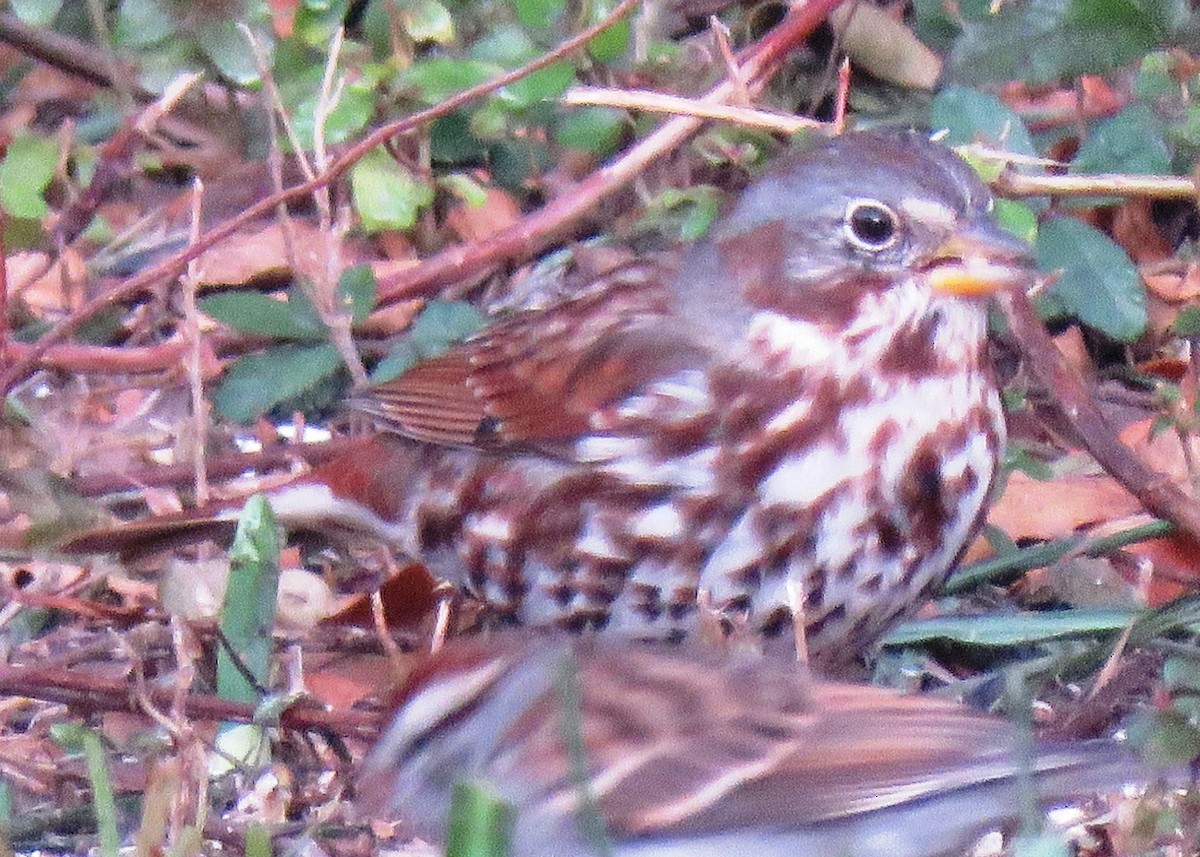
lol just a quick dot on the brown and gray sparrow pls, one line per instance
(687, 754)
(799, 421)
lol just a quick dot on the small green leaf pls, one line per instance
(597, 130)
(304, 314)
(1131, 142)
(427, 21)
(437, 78)
(28, 167)
(480, 823)
(442, 324)
(258, 841)
(971, 116)
(1098, 283)
(1018, 629)
(300, 89)
(256, 314)
(1187, 323)
(356, 290)
(226, 46)
(452, 141)
(465, 188)
(248, 611)
(1049, 40)
(1154, 78)
(315, 22)
(538, 14)
(611, 44)
(439, 325)
(36, 13)
(1165, 738)
(1018, 218)
(543, 85)
(386, 194)
(141, 23)
(258, 382)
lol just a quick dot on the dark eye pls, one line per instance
(870, 225)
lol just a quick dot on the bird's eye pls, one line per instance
(871, 225)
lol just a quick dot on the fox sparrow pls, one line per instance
(800, 420)
(683, 754)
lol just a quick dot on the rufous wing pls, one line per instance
(541, 375)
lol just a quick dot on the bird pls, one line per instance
(794, 432)
(599, 746)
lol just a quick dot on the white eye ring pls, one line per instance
(871, 225)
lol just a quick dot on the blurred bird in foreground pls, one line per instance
(683, 753)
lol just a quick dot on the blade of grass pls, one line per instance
(1023, 559)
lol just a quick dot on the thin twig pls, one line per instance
(191, 336)
(1157, 492)
(1017, 185)
(659, 102)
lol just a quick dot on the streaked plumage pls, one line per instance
(689, 754)
(800, 419)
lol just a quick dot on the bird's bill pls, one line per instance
(980, 261)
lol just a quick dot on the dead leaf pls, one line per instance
(248, 257)
(1030, 509)
(1134, 229)
(475, 223)
(883, 46)
(1175, 287)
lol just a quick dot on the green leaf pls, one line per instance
(1164, 738)
(465, 188)
(443, 323)
(103, 801)
(163, 62)
(1020, 629)
(141, 23)
(300, 89)
(437, 78)
(1018, 218)
(545, 84)
(36, 13)
(1133, 141)
(516, 160)
(506, 46)
(597, 130)
(1187, 323)
(452, 140)
(251, 598)
(439, 325)
(25, 173)
(938, 23)
(611, 44)
(227, 48)
(386, 194)
(1155, 77)
(1050, 40)
(258, 382)
(480, 823)
(427, 21)
(304, 315)
(256, 314)
(1098, 283)
(356, 291)
(538, 14)
(316, 22)
(970, 116)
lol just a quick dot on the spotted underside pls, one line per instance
(794, 427)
